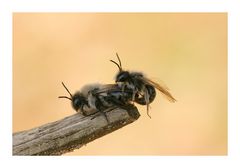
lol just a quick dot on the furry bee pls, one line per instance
(79, 100)
(142, 87)
(95, 98)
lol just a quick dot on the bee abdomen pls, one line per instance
(141, 99)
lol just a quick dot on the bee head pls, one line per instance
(78, 100)
(122, 76)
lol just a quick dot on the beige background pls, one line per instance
(188, 52)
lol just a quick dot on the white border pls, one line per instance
(120, 6)
(232, 7)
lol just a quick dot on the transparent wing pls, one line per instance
(163, 89)
(107, 88)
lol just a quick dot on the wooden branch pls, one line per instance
(70, 133)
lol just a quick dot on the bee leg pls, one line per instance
(84, 112)
(133, 95)
(146, 97)
(101, 113)
(105, 115)
(101, 107)
(123, 87)
(95, 115)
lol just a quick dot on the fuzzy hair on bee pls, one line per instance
(143, 88)
(93, 98)
(80, 99)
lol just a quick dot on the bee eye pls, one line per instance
(77, 101)
(122, 76)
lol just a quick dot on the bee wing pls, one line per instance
(107, 88)
(163, 89)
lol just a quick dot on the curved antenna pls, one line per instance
(118, 65)
(120, 69)
(65, 97)
(67, 91)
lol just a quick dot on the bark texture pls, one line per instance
(72, 132)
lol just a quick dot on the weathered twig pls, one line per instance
(71, 132)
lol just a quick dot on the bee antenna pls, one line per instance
(119, 65)
(120, 69)
(65, 97)
(67, 91)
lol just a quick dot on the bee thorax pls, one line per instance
(87, 88)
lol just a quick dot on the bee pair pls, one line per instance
(129, 87)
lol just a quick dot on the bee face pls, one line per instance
(78, 101)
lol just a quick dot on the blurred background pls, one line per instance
(186, 51)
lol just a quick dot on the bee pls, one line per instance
(93, 98)
(142, 87)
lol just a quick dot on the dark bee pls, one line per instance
(143, 88)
